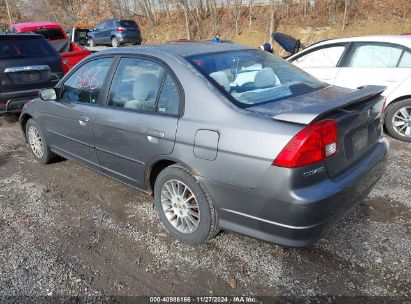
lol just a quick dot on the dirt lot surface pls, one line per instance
(65, 230)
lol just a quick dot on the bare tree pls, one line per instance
(405, 7)
(237, 6)
(8, 12)
(250, 12)
(332, 9)
(214, 14)
(184, 5)
(272, 15)
(347, 5)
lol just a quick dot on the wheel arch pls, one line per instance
(400, 98)
(23, 122)
(157, 165)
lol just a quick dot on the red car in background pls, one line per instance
(70, 52)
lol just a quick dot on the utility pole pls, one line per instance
(8, 11)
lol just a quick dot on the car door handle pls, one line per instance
(83, 120)
(155, 133)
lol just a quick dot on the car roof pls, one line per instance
(398, 39)
(182, 48)
(35, 25)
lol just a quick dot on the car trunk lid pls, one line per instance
(356, 112)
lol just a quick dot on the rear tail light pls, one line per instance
(314, 143)
(383, 107)
(3, 104)
(121, 29)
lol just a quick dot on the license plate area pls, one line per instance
(29, 77)
(360, 140)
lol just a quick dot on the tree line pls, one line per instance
(192, 14)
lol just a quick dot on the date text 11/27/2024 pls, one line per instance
(205, 299)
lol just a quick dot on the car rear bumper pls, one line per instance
(127, 39)
(14, 102)
(295, 217)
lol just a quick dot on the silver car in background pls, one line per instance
(223, 136)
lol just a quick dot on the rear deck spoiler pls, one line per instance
(308, 111)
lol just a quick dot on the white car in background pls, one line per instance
(368, 60)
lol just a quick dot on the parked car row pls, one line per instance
(28, 62)
(70, 52)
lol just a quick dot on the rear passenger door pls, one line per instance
(139, 121)
(373, 63)
(322, 62)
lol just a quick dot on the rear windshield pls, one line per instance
(25, 48)
(253, 77)
(128, 23)
(51, 33)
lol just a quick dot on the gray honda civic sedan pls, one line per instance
(223, 136)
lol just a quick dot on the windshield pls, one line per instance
(128, 23)
(253, 77)
(27, 48)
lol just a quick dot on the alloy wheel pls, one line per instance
(115, 42)
(401, 121)
(180, 206)
(35, 142)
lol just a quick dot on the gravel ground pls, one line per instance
(65, 230)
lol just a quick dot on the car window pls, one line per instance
(327, 57)
(102, 26)
(254, 77)
(169, 99)
(43, 32)
(136, 85)
(405, 60)
(26, 48)
(128, 23)
(85, 84)
(56, 34)
(375, 56)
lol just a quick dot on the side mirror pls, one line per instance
(48, 94)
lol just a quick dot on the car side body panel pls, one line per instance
(234, 162)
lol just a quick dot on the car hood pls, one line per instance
(307, 108)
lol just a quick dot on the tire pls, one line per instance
(115, 42)
(46, 156)
(91, 42)
(398, 120)
(191, 232)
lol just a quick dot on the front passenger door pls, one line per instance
(69, 120)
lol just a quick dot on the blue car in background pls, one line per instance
(115, 32)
